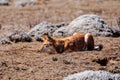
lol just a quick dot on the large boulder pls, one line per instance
(22, 3)
(4, 2)
(93, 75)
(84, 24)
(43, 28)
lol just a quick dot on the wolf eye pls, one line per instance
(45, 45)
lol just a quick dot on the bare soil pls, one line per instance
(21, 61)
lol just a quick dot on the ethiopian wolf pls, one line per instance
(76, 42)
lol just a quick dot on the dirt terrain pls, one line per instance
(21, 61)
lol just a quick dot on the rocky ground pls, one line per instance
(21, 61)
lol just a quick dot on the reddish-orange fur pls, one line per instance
(76, 42)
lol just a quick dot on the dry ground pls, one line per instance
(21, 61)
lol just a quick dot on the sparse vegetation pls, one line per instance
(21, 61)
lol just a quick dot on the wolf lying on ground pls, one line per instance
(76, 42)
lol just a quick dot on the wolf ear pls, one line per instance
(47, 37)
(44, 37)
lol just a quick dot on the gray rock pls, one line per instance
(60, 32)
(19, 36)
(22, 3)
(38, 36)
(84, 24)
(16, 36)
(93, 75)
(4, 2)
(42, 28)
(5, 41)
(116, 31)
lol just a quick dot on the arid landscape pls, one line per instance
(22, 61)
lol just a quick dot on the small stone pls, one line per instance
(55, 59)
